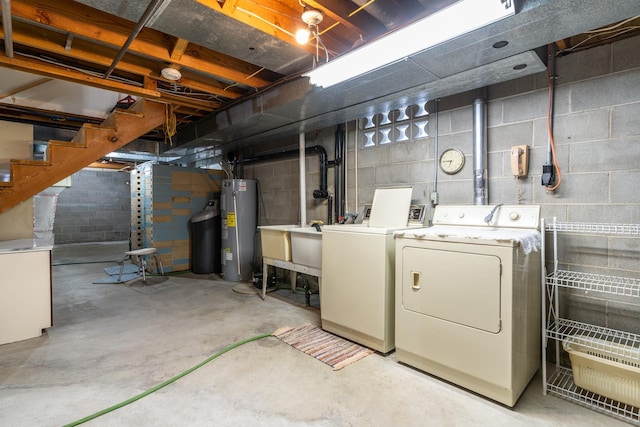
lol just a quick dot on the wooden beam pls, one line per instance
(272, 17)
(32, 66)
(25, 87)
(178, 50)
(100, 55)
(106, 29)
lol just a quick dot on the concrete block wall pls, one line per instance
(94, 209)
(597, 137)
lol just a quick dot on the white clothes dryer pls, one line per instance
(468, 298)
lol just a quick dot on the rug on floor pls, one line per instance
(327, 348)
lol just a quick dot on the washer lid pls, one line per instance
(390, 208)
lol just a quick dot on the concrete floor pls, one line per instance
(111, 342)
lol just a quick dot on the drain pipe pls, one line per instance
(319, 193)
(480, 190)
(303, 183)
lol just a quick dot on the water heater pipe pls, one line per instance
(480, 191)
(235, 212)
(303, 183)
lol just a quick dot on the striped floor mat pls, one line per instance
(327, 348)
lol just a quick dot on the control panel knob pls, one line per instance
(514, 216)
(460, 214)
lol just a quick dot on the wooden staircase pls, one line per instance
(92, 142)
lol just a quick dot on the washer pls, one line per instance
(358, 272)
(468, 298)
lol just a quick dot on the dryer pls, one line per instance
(468, 298)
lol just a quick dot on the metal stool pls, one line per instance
(142, 262)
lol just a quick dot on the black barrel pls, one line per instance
(205, 240)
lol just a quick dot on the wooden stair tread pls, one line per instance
(29, 177)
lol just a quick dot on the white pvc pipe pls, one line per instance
(355, 167)
(303, 183)
(344, 165)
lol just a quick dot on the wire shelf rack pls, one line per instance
(595, 282)
(581, 339)
(594, 228)
(612, 341)
(561, 384)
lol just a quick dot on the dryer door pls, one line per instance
(458, 287)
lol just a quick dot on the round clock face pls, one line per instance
(451, 161)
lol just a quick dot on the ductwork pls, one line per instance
(465, 63)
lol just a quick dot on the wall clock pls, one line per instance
(451, 161)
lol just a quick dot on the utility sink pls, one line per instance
(276, 241)
(306, 246)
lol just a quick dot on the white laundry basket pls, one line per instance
(613, 374)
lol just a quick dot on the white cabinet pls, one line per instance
(605, 372)
(25, 294)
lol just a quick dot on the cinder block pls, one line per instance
(603, 212)
(584, 65)
(374, 156)
(612, 89)
(622, 189)
(625, 54)
(420, 171)
(502, 138)
(387, 175)
(461, 120)
(409, 151)
(525, 107)
(605, 156)
(624, 120)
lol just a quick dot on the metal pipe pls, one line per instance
(321, 193)
(552, 82)
(435, 198)
(7, 26)
(356, 145)
(480, 191)
(235, 212)
(303, 183)
(141, 23)
(346, 162)
(435, 149)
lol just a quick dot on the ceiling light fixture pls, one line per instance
(459, 18)
(311, 17)
(171, 74)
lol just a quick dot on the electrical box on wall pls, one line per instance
(520, 160)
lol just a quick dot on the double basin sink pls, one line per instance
(292, 243)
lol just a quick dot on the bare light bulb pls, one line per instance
(302, 35)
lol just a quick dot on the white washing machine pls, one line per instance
(468, 298)
(358, 264)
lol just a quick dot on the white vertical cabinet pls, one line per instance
(611, 357)
(25, 294)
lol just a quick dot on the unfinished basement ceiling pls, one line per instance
(241, 67)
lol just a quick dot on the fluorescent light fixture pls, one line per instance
(446, 24)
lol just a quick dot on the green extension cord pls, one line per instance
(169, 381)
